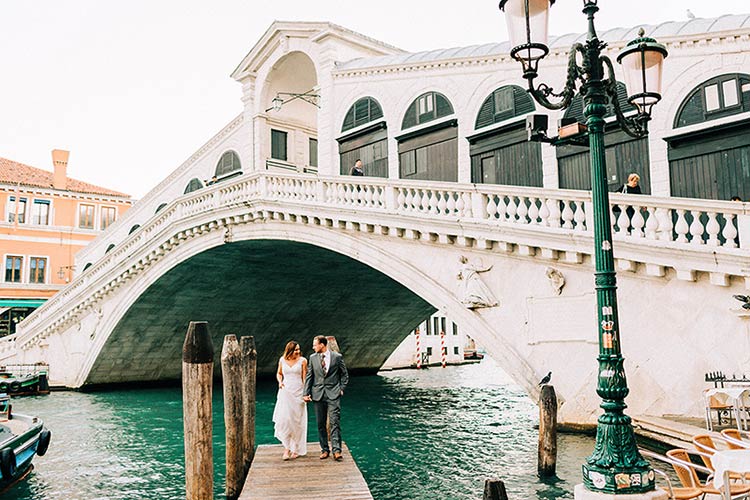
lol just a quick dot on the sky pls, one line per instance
(133, 88)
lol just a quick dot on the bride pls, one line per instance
(290, 413)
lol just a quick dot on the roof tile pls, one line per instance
(12, 172)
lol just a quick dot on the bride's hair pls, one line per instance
(289, 349)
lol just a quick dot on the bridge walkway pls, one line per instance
(305, 477)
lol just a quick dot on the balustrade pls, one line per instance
(680, 223)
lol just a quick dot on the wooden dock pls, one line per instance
(306, 477)
(672, 432)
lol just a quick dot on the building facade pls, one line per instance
(48, 217)
(436, 333)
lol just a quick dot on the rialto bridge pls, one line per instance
(283, 256)
(282, 244)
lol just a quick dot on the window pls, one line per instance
(228, 163)
(37, 269)
(13, 268)
(86, 216)
(41, 212)
(278, 145)
(17, 211)
(429, 106)
(193, 185)
(365, 110)
(503, 104)
(428, 330)
(455, 349)
(107, 217)
(718, 97)
(313, 152)
(455, 329)
(436, 325)
(429, 351)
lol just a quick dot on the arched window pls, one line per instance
(712, 162)
(110, 247)
(504, 155)
(88, 264)
(716, 98)
(193, 185)
(228, 163)
(504, 103)
(134, 229)
(624, 154)
(160, 208)
(431, 152)
(365, 110)
(427, 107)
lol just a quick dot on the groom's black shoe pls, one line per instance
(324, 455)
(337, 456)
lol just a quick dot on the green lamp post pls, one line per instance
(615, 465)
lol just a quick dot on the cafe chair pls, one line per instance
(687, 472)
(674, 492)
(723, 411)
(706, 444)
(735, 440)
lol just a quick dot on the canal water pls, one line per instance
(430, 434)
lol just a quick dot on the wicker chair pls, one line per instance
(674, 492)
(686, 472)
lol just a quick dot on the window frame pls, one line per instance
(310, 141)
(11, 209)
(40, 202)
(5, 268)
(276, 132)
(93, 216)
(102, 210)
(45, 270)
(219, 164)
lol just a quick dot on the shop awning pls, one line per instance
(21, 302)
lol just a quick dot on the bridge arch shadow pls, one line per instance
(277, 285)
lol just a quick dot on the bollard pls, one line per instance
(231, 374)
(197, 382)
(248, 360)
(547, 460)
(494, 489)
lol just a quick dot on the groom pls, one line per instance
(324, 384)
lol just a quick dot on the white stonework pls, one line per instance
(675, 281)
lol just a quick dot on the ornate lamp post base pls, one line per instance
(581, 493)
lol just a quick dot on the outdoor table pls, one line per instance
(729, 461)
(736, 394)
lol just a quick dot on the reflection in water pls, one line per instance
(436, 433)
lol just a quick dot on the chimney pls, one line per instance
(60, 163)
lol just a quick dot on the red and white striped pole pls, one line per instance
(419, 350)
(442, 348)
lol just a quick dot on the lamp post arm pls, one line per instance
(634, 126)
(542, 93)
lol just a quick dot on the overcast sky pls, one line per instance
(133, 88)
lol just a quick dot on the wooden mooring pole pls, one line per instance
(494, 489)
(249, 357)
(547, 461)
(197, 383)
(231, 375)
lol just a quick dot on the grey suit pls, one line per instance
(326, 388)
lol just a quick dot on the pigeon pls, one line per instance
(690, 15)
(546, 379)
(745, 299)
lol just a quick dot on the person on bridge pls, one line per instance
(357, 168)
(325, 384)
(290, 413)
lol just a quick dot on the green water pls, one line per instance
(433, 434)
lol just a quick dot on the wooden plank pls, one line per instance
(307, 477)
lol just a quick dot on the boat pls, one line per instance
(24, 380)
(21, 437)
(472, 354)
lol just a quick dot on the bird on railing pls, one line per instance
(745, 299)
(546, 379)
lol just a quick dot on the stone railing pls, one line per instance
(654, 231)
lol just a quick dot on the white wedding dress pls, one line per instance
(290, 413)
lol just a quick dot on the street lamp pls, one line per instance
(615, 466)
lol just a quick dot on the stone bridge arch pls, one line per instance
(140, 337)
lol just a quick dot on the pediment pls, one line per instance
(281, 32)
